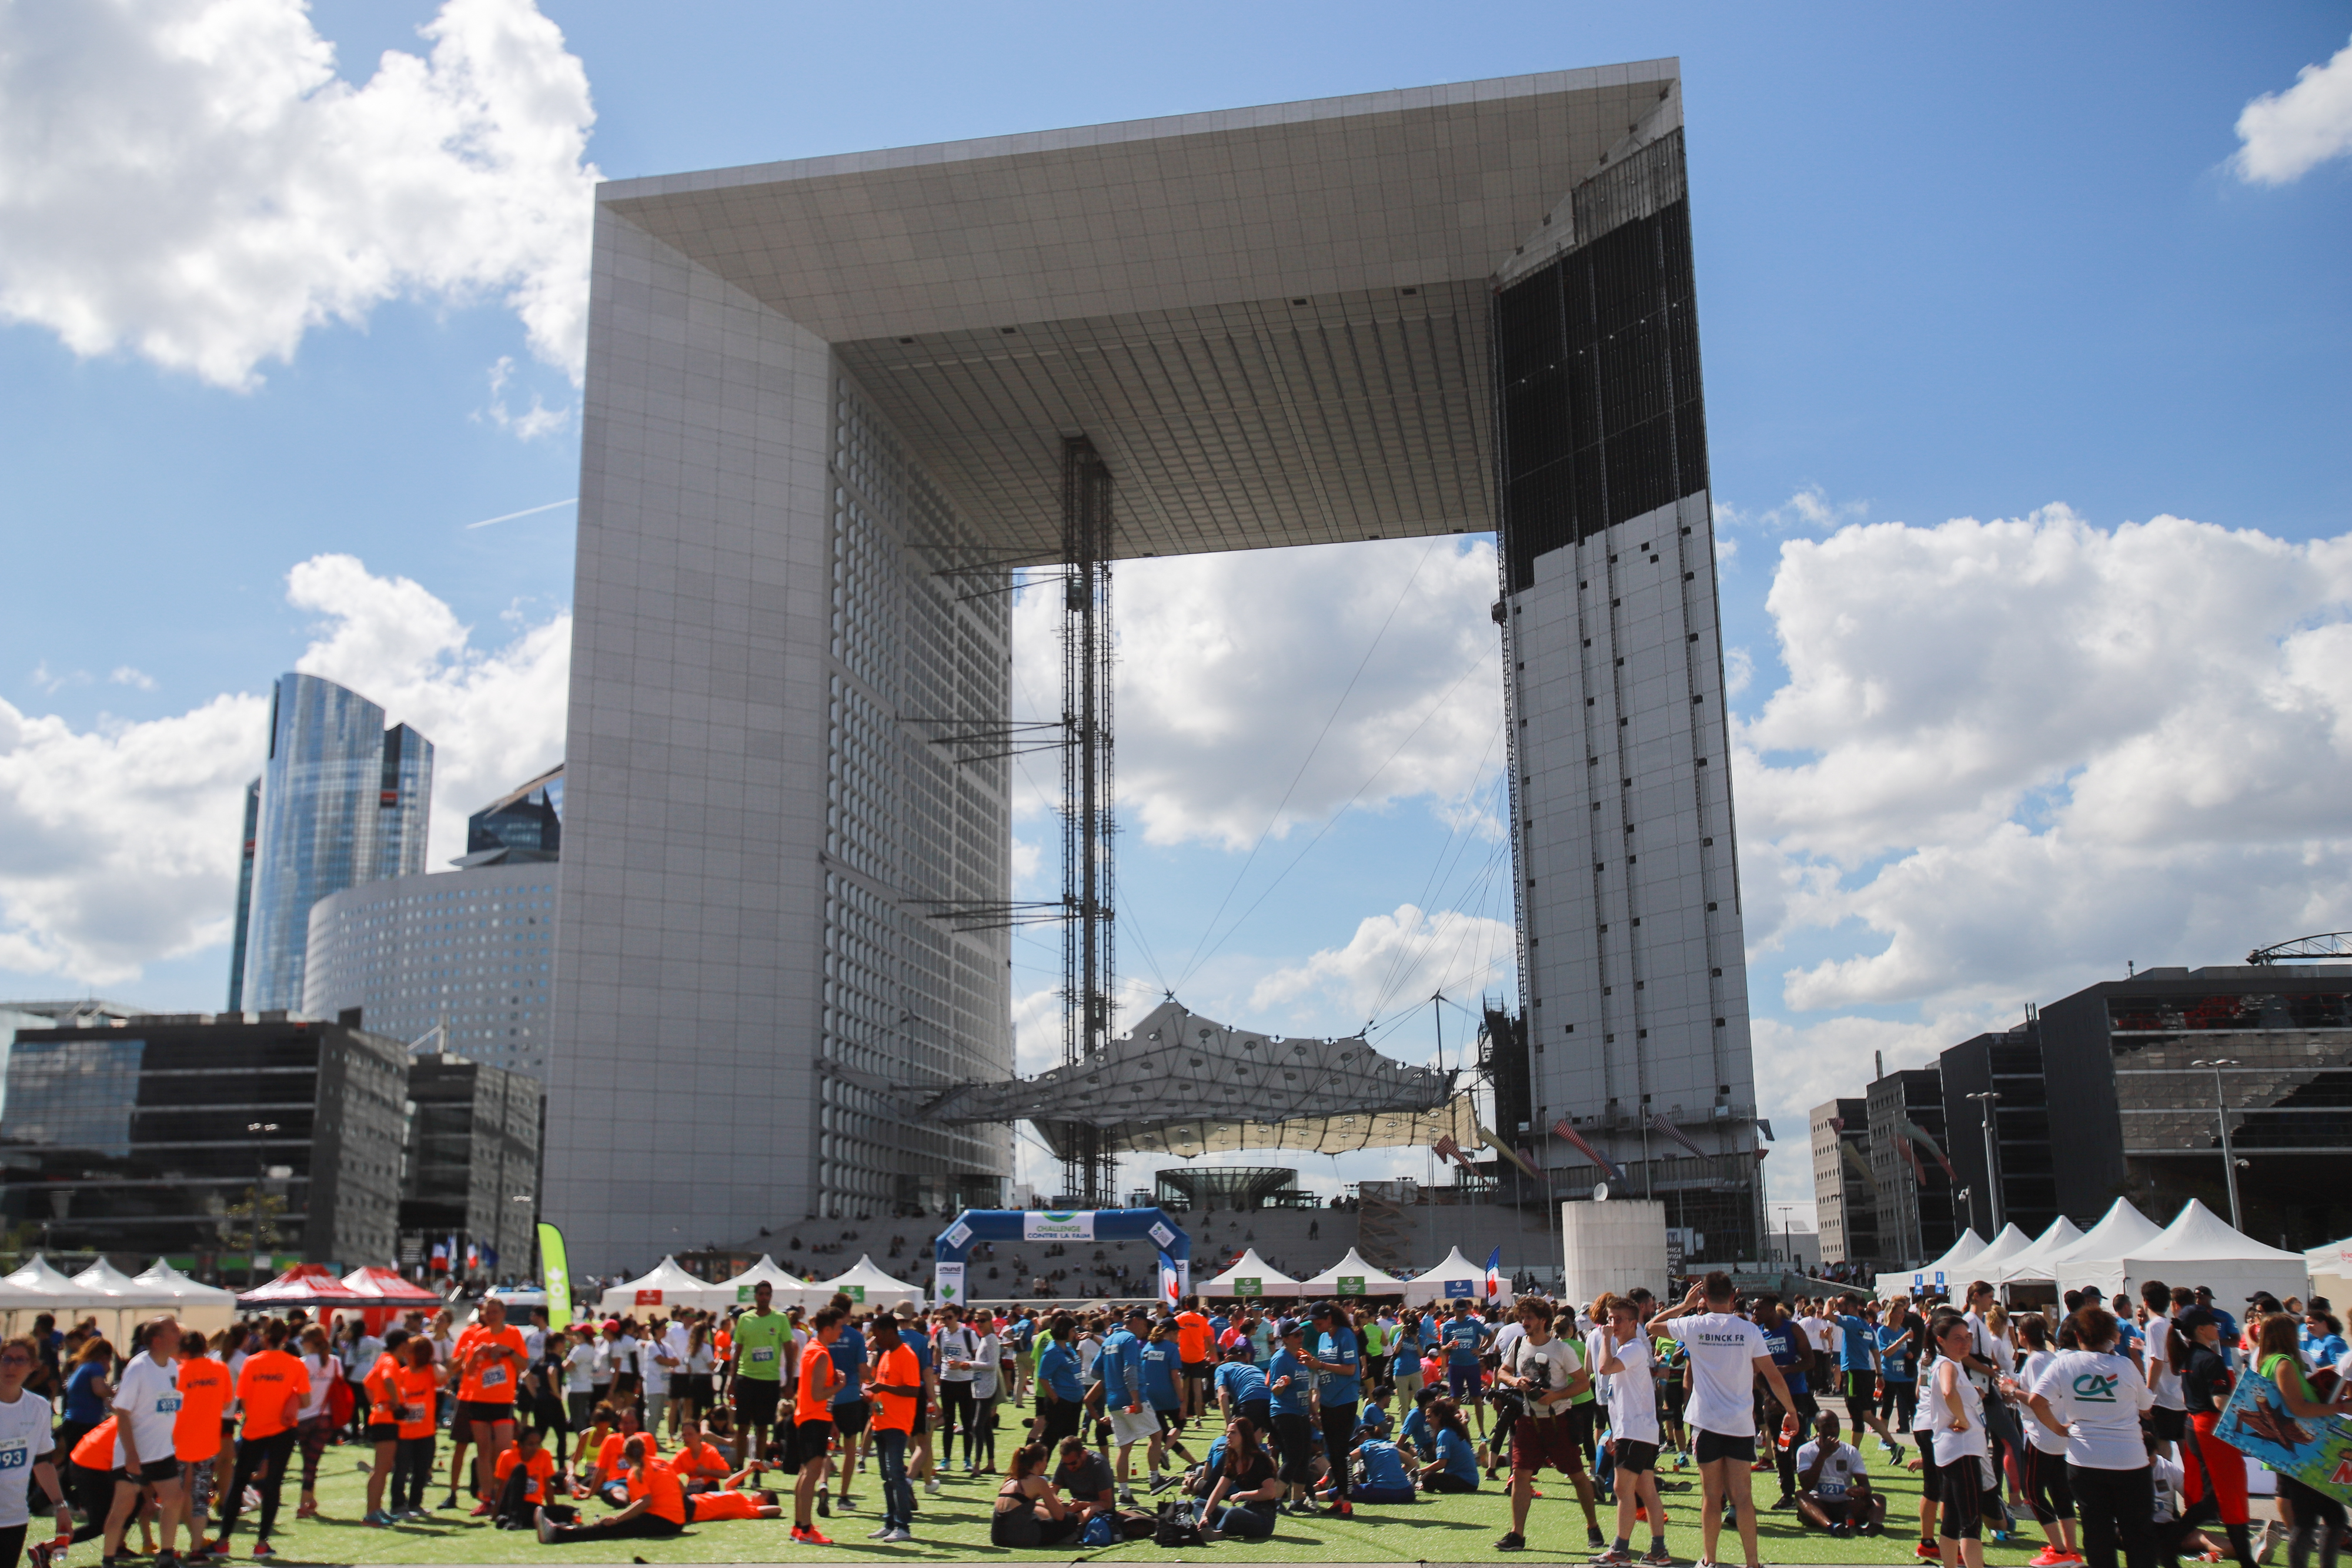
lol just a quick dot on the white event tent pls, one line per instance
(2008, 1242)
(668, 1285)
(2032, 1263)
(2331, 1273)
(2199, 1248)
(867, 1285)
(1264, 1278)
(1958, 1256)
(113, 1291)
(786, 1288)
(1369, 1281)
(2118, 1231)
(1430, 1288)
(196, 1305)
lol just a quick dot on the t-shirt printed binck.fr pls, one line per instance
(1723, 1349)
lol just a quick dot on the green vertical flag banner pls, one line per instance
(555, 1275)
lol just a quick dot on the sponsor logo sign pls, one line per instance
(1058, 1225)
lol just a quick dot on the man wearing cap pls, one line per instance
(1132, 1419)
(1338, 1358)
(2229, 1325)
(1287, 1385)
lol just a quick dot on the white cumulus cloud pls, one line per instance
(194, 180)
(2013, 754)
(1392, 959)
(2284, 135)
(1229, 666)
(118, 843)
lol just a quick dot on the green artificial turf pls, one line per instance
(954, 1527)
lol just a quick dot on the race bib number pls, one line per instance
(411, 1414)
(763, 1353)
(14, 1456)
(166, 1404)
(495, 1377)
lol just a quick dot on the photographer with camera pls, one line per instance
(1541, 1374)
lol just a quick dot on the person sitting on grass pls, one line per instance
(1029, 1513)
(1085, 1477)
(608, 1476)
(525, 1473)
(1833, 1485)
(1247, 1492)
(1455, 1468)
(699, 1465)
(732, 1499)
(1415, 1437)
(656, 1509)
(1385, 1478)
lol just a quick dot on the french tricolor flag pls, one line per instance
(1495, 1275)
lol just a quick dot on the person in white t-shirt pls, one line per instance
(1834, 1489)
(1822, 1332)
(2095, 1395)
(146, 1408)
(26, 1441)
(1728, 1355)
(1620, 1352)
(2049, 1492)
(2168, 1416)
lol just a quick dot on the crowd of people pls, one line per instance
(2095, 1422)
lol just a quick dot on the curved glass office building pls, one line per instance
(343, 800)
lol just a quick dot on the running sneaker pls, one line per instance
(1612, 1557)
(482, 1509)
(1839, 1533)
(807, 1535)
(932, 1485)
(2048, 1557)
(823, 1506)
(881, 1535)
(263, 1551)
(1593, 1539)
(1511, 1540)
(1342, 1508)
(901, 1533)
(1927, 1552)
(1658, 1557)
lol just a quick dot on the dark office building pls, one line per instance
(2022, 1190)
(2147, 1067)
(158, 1135)
(1908, 1151)
(524, 825)
(473, 1150)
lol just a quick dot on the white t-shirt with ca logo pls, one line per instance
(24, 1441)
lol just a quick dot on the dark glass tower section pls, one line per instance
(523, 825)
(244, 895)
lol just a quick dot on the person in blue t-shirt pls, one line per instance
(1899, 1336)
(1406, 1346)
(1163, 1362)
(1792, 1352)
(1385, 1480)
(1061, 1399)
(1288, 1386)
(1858, 1368)
(1126, 1402)
(1455, 1468)
(850, 1410)
(1414, 1433)
(1338, 1357)
(1464, 1338)
(1241, 1391)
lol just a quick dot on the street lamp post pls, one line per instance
(1986, 1100)
(2222, 1114)
(260, 1130)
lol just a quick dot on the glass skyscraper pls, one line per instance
(343, 800)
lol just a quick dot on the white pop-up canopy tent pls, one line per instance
(2330, 1268)
(1352, 1276)
(1958, 1256)
(668, 1285)
(1250, 1277)
(786, 1288)
(20, 1301)
(2008, 1242)
(1457, 1278)
(2118, 1231)
(867, 1285)
(2199, 1248)
(2032, 1263)
(111, 1294)
(197, 1305)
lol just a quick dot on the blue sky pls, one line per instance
(1951, 265)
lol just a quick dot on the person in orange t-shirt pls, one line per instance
(734, 1501)
(488, 1361)
(609, 1475)
(699, 1466)
(526, 1473)
(657, 1506)
(89, 1477)
(1193, 1348)
(813, 1423)
(416, 1386)
(382, 1385)
(205, 1389)
(272, 1388)
(896, 1388)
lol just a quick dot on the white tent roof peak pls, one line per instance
(103, 1277)
(2006, 1243)
(1272, 1282)
(39, 1274)
(867, 1277)
(1353, 1267)
(163, 1277)
(2122, 1229)
(2034, 1262)
(2198, 1234)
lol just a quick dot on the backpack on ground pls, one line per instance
(1177, 1527)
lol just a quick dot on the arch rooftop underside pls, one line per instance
(1272, 322)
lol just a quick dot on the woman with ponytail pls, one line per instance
(2096, 1396)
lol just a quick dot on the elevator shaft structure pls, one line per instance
(1089, 1169)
